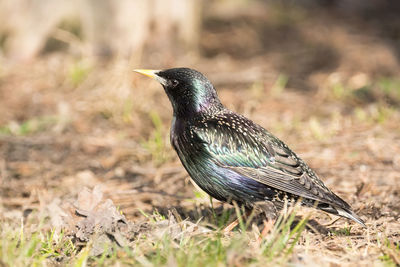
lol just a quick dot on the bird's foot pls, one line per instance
(230, 227)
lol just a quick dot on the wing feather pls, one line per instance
(256, 154)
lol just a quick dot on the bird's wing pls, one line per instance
(256, 154)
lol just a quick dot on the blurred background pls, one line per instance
(321, 75)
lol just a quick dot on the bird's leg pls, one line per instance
(233, 224)
(270, 210)
(230, 227)
(268, 225)
(267, 228)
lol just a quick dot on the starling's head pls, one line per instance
(189, 91)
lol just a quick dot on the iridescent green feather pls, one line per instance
(256, 154)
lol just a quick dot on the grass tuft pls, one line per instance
(78, 73)
(30, 126)
(280, 243)
(19, 247)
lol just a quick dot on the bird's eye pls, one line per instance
(174, 83)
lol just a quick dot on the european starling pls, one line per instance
(234, 159)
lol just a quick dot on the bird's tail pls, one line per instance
(344, 212)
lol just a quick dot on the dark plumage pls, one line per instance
(232, 158)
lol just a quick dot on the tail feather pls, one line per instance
(349, 214)
(343, 212)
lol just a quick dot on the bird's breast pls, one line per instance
(177, 131)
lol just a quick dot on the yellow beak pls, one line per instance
(153, 74)
(149, 73)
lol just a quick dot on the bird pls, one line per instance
(233, 159)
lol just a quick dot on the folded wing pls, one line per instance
(256, 154)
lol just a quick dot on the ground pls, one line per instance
(69, 123)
